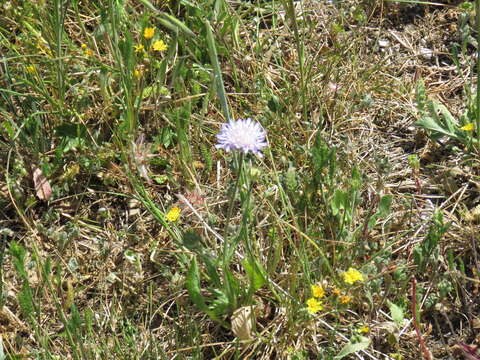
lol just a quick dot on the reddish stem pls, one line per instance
(426, 353)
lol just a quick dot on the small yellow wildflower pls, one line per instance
(88, 52)
(363, 329)
(314, 306)
(468, 127)
(336, 292)
(352, 275)
(148, 33)
(317, 291)
(345, 299)
(139, 48)
(173, 214)
(159, 45)
(83, 46)
(137, 73)
(31, 69)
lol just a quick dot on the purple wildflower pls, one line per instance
(244, 135)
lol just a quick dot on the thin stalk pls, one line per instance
(477, 21)
(3, 244)
(59, 13)
(301, 55)
(239, 168)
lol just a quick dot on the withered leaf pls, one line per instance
(42, 186)
(242, 322)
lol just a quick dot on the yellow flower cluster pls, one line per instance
(86, 50)
(148, 33)
(351, 276)
(313, 304)
(157, 45)
(363, 329)
(173, 214)
(468, 127)
(317, 291)
(139, 48)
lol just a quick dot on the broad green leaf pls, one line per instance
(384, 205)
(430, 124)
(193, 242)
(451, 123)
(193, 286)
(70, 130)
(255, 274)
(396, 312)
(383, 210)
(339, 202)
(351, 347)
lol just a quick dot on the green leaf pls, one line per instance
(149, 5)
(70, 130)
(175, 25)
(25, 300)
(429, 123)
(339, 202)
(18, 253)
(396, 312)
(212, 52)
(192, 241)
(193, 286)
(231, 289)
(384, 205)
(255, 274)
(353, 347)
(449, 119)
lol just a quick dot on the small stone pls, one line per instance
(383, 43)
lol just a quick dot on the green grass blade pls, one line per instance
(218, 79)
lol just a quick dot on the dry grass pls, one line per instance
(96, 250)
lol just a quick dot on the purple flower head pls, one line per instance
(244, 135)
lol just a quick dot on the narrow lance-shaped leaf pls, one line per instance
(353, 347)
(212, 51)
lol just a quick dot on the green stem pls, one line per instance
(239, 168)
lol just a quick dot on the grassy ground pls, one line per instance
(355, 236)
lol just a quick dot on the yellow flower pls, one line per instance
(345, 299)
(88, 52)
(314, 306)
(159, 45)
(148, 33)
(137, 73)
(336, 291)
(83, 46)
(363, 329)
(173, 214)
(468, 127)
(31, 69)
(352, 275)
(317, 291)
(139, 48)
